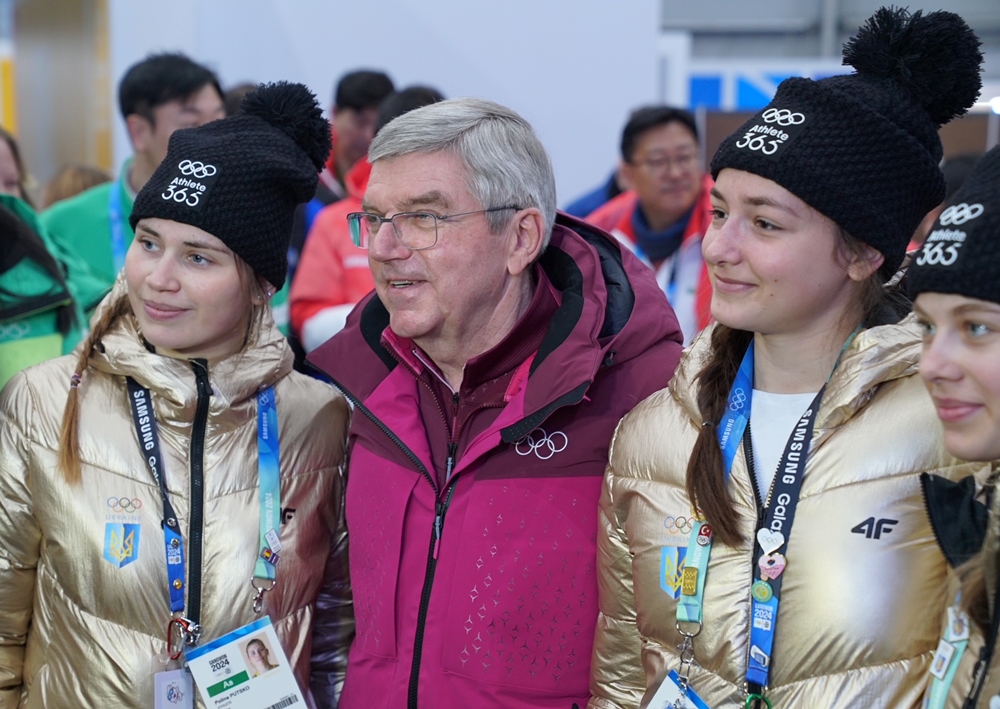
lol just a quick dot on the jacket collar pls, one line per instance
(356, 179)
(876, 356)
(235, 380)
(596, 324)
(518, 345)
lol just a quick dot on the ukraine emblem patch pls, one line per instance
(672, 569)
(121, 543)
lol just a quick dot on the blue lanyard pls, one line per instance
(730, 433)
(269, 485)
(117, 220)
(771, 544)
(269, 482)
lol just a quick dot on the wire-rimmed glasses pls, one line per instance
(415, 230)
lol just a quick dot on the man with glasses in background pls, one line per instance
(666, 209)
(158, 95)
(487, 371)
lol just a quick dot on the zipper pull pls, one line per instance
(449, 466)
(437, 528)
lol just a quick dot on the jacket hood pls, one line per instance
(876, 356)
(356, 179)
(597, 324)
(235, 379)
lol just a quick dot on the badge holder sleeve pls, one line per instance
(172, 685)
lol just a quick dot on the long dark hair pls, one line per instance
(706, 481)
(20, 241)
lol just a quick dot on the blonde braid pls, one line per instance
(69, 442)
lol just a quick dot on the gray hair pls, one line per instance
(505, 161)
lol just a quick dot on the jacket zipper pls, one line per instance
(441, 508)
(438, 528)
(197, 525)
(45, 305)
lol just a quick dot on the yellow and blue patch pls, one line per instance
(672, 569)
(121, 543)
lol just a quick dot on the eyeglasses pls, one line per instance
(683, 163)
(415, 230)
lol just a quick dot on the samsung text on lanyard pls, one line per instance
(183, 632)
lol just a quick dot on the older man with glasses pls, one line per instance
(666, 209)
(488, 370)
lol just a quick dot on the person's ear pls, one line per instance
(267, 289)
(527, 240)
(860, 266)
(140, 132)
(626, 175)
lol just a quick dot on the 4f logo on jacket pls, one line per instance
(874, 528)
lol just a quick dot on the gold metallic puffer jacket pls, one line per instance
(865, 585)
(83, 611)
(962, 686)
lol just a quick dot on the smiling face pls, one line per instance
(461, 287)
(665, 173)
(961, 367)
(186, 291)
(777, 265)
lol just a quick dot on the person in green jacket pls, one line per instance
(157, 96)
(41, 288)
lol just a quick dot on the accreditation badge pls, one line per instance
(246, 669)
(669, 693)
(173, 690)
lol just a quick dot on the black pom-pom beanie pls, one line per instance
(863, 149)
(240, 178)
(962, 253)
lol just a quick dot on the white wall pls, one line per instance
(573, 69)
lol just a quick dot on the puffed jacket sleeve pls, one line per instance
(20, 535)
(333, 627)
(617, 677)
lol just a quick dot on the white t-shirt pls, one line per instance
(772, 420)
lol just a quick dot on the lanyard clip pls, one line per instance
(757, 701)
(181, 633)
(258, 598)
(686, 650)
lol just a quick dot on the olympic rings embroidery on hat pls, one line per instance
(544, 446)
(960, 214)
(783, 117)
(680, 525)
(739, 398)
(197, 169)
(124, 504)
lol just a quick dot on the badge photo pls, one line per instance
(245, 669)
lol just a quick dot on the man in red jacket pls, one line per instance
(487, 373)
(333, 273)
(666, 210)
